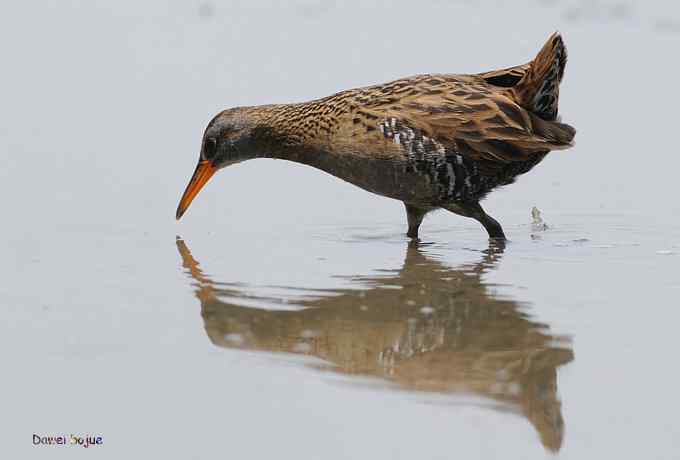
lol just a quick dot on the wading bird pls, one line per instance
(431, 141)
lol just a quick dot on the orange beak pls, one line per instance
(204, 171)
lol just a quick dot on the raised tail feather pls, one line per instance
(535, 87)
(539, 89)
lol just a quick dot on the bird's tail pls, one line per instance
(538, 90)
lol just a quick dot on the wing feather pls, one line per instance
(476, 120)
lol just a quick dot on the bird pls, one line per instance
(432, 141)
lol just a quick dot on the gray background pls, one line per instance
(102, 110)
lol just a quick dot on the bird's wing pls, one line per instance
(505, 78)
(467, 115)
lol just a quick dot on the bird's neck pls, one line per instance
(320, 134)
(297, 132)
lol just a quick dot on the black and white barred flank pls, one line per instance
(458, 177)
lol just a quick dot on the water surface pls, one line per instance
(287, 316)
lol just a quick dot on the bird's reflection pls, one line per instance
(426, 327)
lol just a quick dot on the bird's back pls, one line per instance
(467, 133)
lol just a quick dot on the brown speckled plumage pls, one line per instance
(431, 141)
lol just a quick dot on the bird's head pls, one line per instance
(231, 137)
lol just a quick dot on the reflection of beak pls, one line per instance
(204, 171)
(205, 289)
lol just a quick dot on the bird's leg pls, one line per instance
(493, 228)
(475, 211)
(414, 215)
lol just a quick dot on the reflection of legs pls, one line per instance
(475, 211)
(414, 215)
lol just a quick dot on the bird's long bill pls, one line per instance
(204, 171)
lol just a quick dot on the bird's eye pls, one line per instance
(209, 148)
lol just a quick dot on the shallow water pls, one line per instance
(287, 315)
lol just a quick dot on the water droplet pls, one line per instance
(537, 223)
